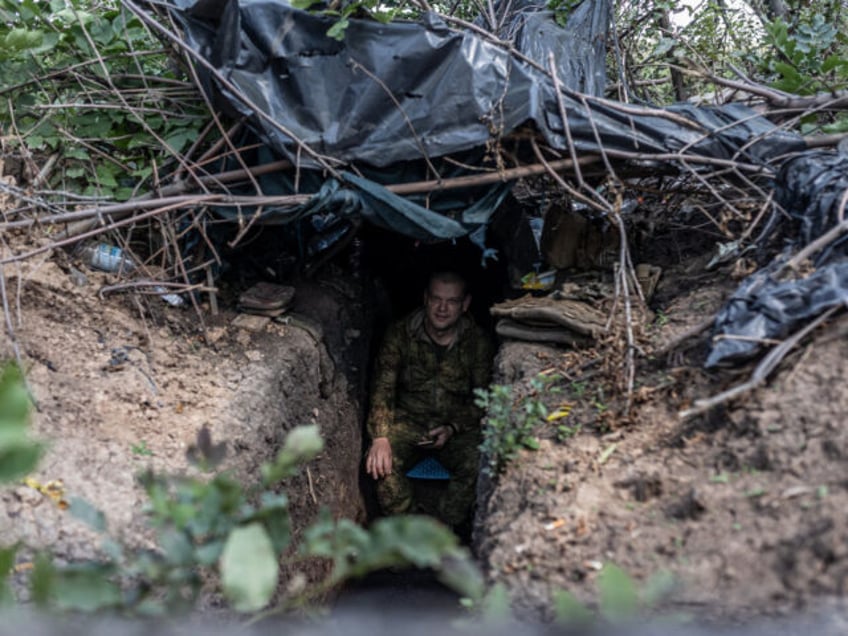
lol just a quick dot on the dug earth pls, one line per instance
(743, 507)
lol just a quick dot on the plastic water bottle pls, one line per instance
(108, 258)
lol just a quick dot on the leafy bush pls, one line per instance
(510, 423)
(91, 84)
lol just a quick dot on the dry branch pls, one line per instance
(768, 364)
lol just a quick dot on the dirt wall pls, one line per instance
(124, 383)
(745, 507)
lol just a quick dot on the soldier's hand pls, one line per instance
(378, 462)
(440, 435)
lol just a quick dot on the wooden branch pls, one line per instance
(768, 364)
(825, 239)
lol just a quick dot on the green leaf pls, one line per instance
(338, 30)
(112, 549)
(42, 579)
(22, 39)
(249, 568)
(530, 442)
(15, 403)
(833, 61)
(664, 46)
(18, 459)
(302, 444)
(106, 175)
(85, 588)
(87, 513)
(619, 599)
(274, 516)
(209, 553)
(421, 541)
(303, 4)
(495, 606)
(568, 610)
(7, 562)
(461, 575)
(177, 548)
(179, 140)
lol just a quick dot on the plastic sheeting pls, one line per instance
(394, 99)
(407, 90)
(810, 188)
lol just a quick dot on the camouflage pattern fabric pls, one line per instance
(419, 386)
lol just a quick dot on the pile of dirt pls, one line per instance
(744, 506)
(124, 382)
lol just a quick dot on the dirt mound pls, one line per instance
(124, 382)
(744, 506)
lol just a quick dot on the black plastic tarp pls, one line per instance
(774, 302)
(410, 92)
(405, 90)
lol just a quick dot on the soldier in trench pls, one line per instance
(423, 401)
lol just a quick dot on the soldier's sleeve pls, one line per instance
(386, 373)
(481, 375)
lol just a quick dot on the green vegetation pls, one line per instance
(510, 423)
(141, 449)
(90, 84)
(216, 526)
(620, 599)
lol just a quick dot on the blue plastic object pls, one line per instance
(428, 468)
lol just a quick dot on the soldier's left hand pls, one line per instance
(440, 435)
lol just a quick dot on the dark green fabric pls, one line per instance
(413, 383)
(426, 216)
(418, 387)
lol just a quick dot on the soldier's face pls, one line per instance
(444, 304)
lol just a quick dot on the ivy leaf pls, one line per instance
(249, 568)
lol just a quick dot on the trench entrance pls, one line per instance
(378, 278)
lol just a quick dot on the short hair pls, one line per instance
(450, 277)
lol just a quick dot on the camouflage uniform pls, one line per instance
(418, 386)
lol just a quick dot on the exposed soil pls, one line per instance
(125, 383)
(745, 506)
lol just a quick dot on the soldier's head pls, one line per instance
(445, 300)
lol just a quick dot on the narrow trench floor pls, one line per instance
(398, 590)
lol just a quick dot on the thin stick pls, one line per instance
(828, 237)
(10, 331)
(768, 364)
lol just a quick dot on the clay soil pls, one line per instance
(745, 506)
